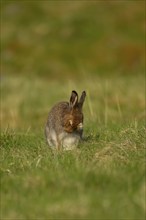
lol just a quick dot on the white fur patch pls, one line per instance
(69, 141)
(52, 138)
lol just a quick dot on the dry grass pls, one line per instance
(25, 102)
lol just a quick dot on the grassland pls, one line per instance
(103, 179)
(48, 49)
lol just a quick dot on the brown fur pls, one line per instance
(76, 116)
(65, 120)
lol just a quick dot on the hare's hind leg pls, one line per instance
(51, 137)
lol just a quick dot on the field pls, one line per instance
(50, 48)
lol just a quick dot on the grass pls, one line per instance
(50, 48)
(109, 100)
(103, 179)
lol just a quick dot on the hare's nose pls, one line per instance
(80, 126)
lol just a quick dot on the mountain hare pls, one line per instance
(64, 127)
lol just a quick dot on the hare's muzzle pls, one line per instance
(80, 126)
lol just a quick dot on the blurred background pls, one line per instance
(49, 48)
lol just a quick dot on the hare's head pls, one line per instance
(73, 119)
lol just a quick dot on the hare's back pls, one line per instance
(59, 109)
(56, 114)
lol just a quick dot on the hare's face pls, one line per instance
(74, 122)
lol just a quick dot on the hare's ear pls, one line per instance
(82, 99)
(73, 99)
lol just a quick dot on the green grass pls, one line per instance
(103, 178)
(50, 48)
